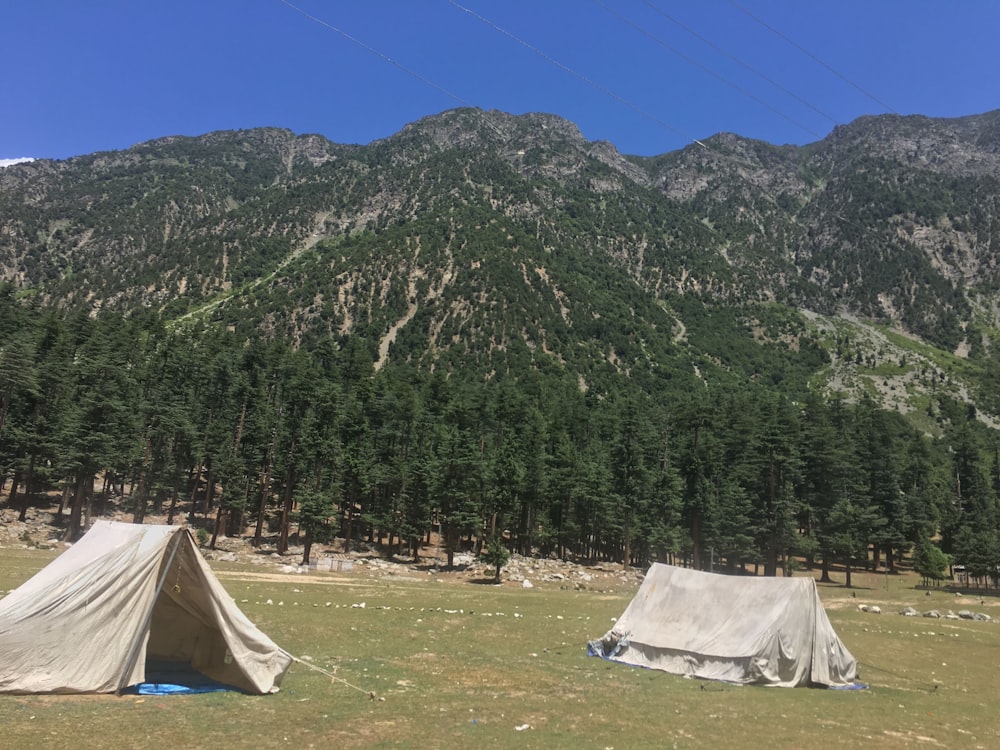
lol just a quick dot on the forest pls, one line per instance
(488, 331)
(314, 443)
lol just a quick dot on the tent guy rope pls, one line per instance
(370, 693)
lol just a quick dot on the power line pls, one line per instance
(431, 83)
(738, 61)
(736, 160)
(809, 54)
(717, 76)
(566, 69)
(739, 161)
(374, 51)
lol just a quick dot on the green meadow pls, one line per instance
(438, 661)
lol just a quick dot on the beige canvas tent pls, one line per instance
(124, 594)
(770, 631)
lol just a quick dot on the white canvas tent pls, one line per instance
(125, 593)
(770, 631)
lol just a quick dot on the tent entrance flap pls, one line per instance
(140, 634)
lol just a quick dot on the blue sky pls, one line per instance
(650, 76)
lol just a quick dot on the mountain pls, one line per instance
(483, 242)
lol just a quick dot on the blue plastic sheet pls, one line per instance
(176, 678)
(852, 686)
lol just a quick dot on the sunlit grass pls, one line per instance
(454, 664)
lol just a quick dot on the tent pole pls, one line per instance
(141, 633)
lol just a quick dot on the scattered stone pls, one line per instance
(41, 531)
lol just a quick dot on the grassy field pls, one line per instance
(454, 664)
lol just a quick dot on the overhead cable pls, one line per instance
(717, 76)
(744, 64)
(813, 57)
(566, 69)
(374, 51)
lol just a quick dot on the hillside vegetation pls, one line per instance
(488, 325)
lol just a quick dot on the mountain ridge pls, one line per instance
(470, 234)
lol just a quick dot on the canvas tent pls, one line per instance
(770, 631)
(121, 597)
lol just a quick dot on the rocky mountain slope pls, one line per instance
(863, 262)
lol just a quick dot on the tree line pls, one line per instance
(312, 443)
